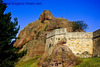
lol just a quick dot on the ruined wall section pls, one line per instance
(80, 43)
(96, 45)
(53, 37)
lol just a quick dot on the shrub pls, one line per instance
(78, 24)
(42, 21)
(21, 54)
(45, 28)
(37, 35)
(35, 31)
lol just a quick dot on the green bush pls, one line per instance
(21, 54)
(79, 24)
(37, 35)
(42, 21)
(45, 28)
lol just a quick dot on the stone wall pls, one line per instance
(56, 32)
(80, 43)
(96, 43)
(53, 37)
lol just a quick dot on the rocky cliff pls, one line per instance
(33, 36)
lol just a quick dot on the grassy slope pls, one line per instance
(86, 62)
(30, 63)
(90, 62)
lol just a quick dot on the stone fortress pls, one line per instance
(82, 44)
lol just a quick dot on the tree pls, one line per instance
(8, 31)
(79, 24)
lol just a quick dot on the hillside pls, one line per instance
(33, 36)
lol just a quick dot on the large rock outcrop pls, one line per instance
(46, 15)
(33, 36)
(61, 56)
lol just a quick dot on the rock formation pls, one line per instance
(61, 56)
(33, 36)
(46, 15)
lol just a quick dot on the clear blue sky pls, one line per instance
(73, 10)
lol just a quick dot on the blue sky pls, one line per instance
(73, 10)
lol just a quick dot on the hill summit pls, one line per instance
(46, 15)
(33, 36)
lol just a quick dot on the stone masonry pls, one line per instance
(81, 43)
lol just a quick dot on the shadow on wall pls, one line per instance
(96, 43)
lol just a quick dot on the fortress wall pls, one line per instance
(56, 32)
(60, 34)
(53, 37)
(96, 41)
(80, 35)
(51, 34)
(49, 44)
(83, 44)
(60, 31)
(59, 37)
(80, 43)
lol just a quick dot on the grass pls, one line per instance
(30, 63)
(86, 62)
(89, 62)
